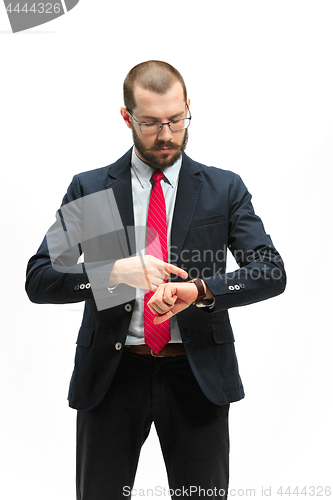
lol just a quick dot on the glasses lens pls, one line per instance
(150, 128)
(180, 124)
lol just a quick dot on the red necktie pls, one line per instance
(156, 336)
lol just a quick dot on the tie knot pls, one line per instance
(157, 176)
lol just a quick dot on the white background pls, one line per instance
(260, 78)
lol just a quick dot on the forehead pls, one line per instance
(151, 104)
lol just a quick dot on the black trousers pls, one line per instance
(193, 432)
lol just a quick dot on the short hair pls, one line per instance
(156, 76)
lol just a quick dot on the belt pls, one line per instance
(168, 350)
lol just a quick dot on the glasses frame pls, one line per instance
(161, 124)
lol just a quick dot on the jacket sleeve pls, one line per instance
(261, 273)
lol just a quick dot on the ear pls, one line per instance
(126, 117)
(188, 102)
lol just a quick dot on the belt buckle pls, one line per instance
(155, 355)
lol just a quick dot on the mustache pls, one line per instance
(164, 144)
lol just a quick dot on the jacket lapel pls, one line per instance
(189, 187)
(119, 188)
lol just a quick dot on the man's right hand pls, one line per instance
(145, 272)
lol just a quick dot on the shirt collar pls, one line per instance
(144, 172)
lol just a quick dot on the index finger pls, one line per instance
(170, 268)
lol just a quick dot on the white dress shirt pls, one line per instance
(141, 189)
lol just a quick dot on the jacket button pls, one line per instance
(128, 308)
(77, 287)
(237, 287)
(82, 286)
(241, 285)
(118, 346)
(88, 285)
(231, 287)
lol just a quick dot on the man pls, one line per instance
(167, 356)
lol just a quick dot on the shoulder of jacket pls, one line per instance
(214, 172)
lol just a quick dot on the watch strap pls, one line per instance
(201, 290)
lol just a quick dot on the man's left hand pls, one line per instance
(171, 298)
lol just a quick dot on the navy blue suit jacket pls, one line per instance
(213, 213)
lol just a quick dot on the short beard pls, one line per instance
(148, 156)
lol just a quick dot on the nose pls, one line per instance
(165, 134)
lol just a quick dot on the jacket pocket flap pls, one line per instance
(204, 221)
(222, 333)
(85, 336)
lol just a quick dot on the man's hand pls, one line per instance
(146, 272)
(171, 298)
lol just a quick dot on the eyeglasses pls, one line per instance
(156, 127)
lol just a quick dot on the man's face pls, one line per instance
(163, 149)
